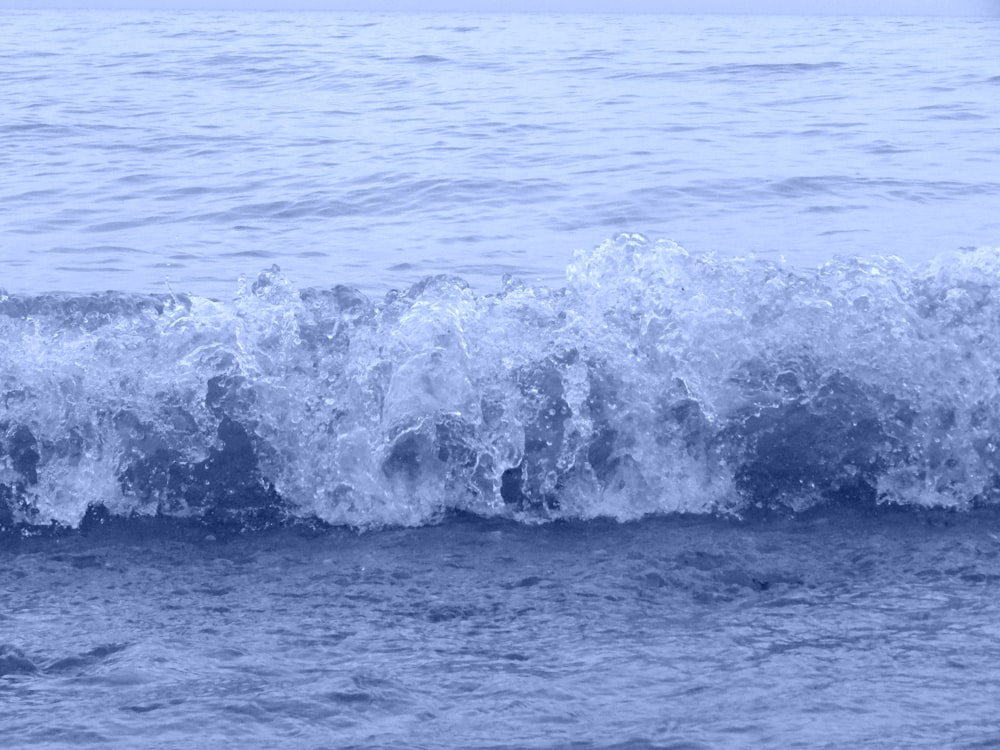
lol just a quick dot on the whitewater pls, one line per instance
(498, 381)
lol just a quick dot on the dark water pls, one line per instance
(837, 630)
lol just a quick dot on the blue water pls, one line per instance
(376, 150)
(498, 381)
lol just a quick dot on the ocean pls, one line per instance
(499, 381)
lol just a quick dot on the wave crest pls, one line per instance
(655, 381)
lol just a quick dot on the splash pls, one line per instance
(656, 381)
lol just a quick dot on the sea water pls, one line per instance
(499, 381)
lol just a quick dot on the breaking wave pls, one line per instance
(655, 382)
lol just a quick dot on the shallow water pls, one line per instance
(839, 631)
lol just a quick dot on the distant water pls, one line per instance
(374, 150)
(498, 381)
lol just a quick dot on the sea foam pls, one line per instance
(655, 381)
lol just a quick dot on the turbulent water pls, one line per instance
(654, 382)
(394, 431)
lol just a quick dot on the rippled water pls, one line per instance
(374, 150)
(668, 634)
(480, 465)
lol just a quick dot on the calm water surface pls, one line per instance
(378, 149)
